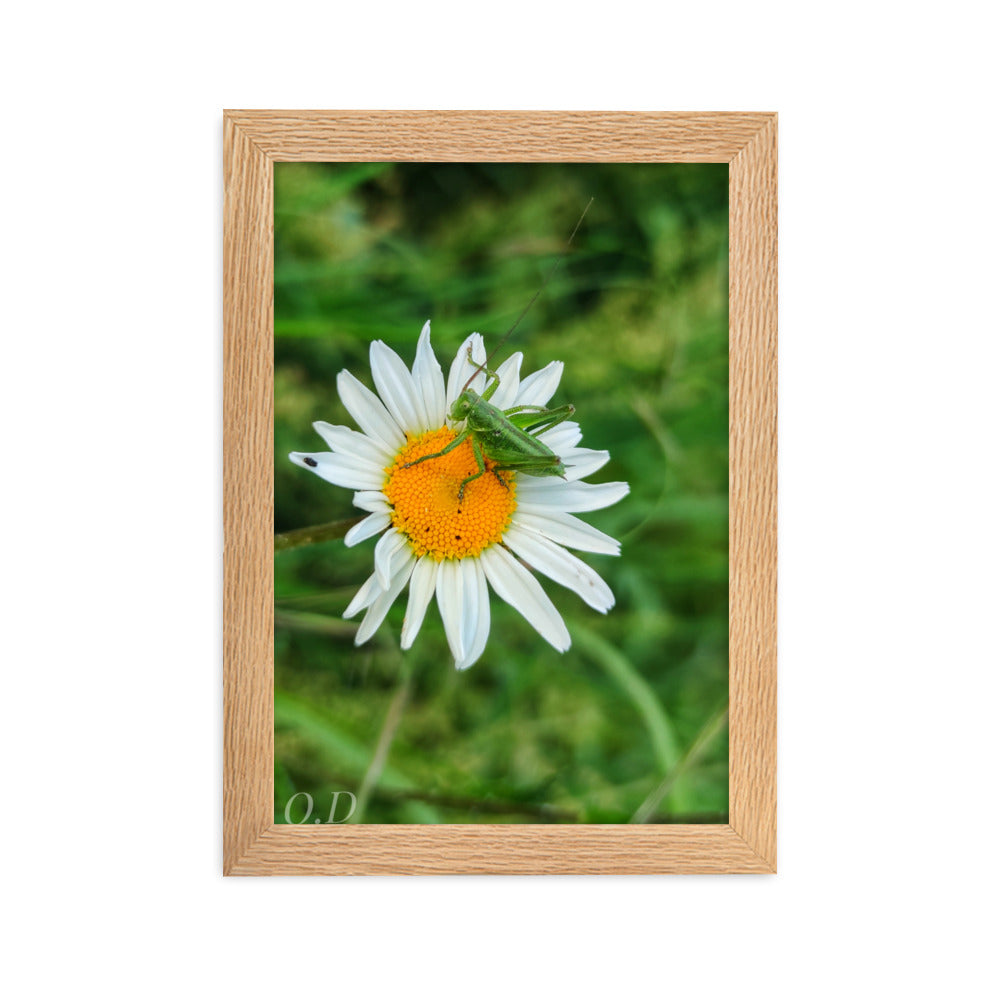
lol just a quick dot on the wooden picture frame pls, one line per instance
(253, 142)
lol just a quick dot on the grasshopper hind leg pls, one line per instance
(482, 470)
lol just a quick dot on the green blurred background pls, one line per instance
(630, 724)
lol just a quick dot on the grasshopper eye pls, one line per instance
(460, 408)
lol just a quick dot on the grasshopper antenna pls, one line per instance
(524, 311)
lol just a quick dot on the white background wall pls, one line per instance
(889, 543)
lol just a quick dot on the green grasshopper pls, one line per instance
(507, 437)
(503, 436)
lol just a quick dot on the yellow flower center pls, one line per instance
(425, 504)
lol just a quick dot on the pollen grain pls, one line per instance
(425, 504)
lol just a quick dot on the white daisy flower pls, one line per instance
(453, 543)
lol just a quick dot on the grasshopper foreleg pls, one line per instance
(478, 452)
(492, 378)
(444, 451)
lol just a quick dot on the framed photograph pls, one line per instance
(500, 461)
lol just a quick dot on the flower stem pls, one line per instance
(314, 534)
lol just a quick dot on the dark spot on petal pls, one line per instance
(311, 462)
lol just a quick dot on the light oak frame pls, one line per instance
(253, 142)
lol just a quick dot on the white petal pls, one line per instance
(395, 385)
(510, 381)
(562, 437)
(422, 585)
(341, 470)
(535, 495)
(450, 604)
(371, 525)
(559, 565)
(481, 599)
(539, 387)
(372, 500)
(386, 551)
(348, 442)
(368, 412)
(429, 380)
(471, 609)
(380, 606)
(515, 585)
(370, 589)
(583, 462)
(461, 369)
(568, 530)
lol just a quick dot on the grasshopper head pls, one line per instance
(460, 408)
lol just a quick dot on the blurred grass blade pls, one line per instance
(393, 717)
(658, 725)
(708, 732)
(341, 749)
(316, 533)
(672, 453)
